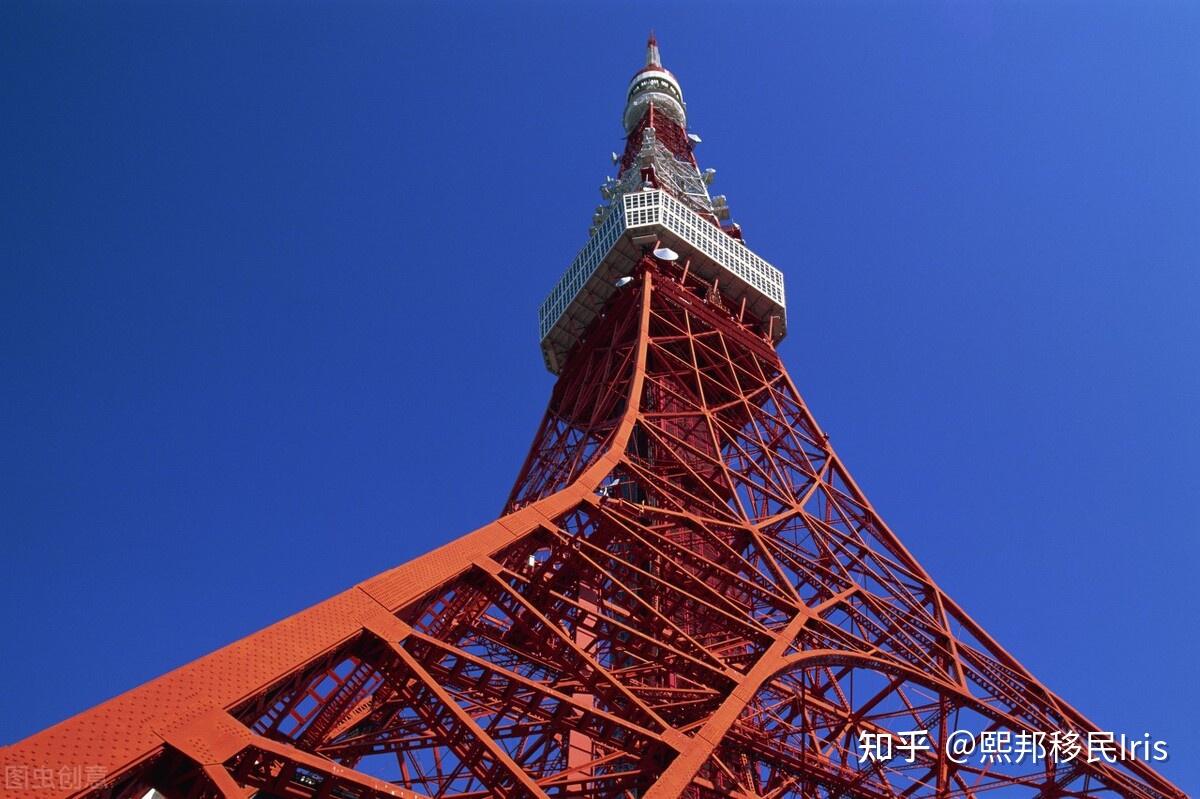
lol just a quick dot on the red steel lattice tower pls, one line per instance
(686, 595)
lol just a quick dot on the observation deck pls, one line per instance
(637, 220)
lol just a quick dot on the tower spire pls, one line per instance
(653, 58)
(659, 149)
(654, 83)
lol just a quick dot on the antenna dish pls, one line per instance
(625, 281)
(666, 254)
(695, 139)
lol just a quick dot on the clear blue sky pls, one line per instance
(270, 274)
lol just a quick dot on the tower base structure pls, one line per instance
(686, 596)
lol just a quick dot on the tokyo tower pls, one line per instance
(686, 595)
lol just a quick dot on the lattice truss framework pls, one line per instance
(687, 595)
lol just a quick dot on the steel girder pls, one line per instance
(686, 595)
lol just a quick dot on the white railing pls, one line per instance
(647, 208)
(720, 246)
(581, 269)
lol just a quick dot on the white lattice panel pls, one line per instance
(587, 283)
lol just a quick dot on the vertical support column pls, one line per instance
(579, 746)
